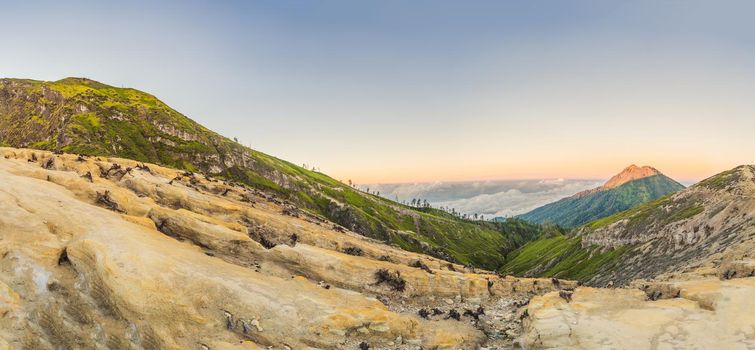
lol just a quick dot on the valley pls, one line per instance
(127, 225)
(82, 116)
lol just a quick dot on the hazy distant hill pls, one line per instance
(631, 187)
(78, 115)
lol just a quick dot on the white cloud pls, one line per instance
(491, 198)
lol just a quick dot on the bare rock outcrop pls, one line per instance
(692, 314)
(144, 257)
(111, 253)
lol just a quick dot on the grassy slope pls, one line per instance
(83, 116)
(561, 256)
(666, 210)
(573, 212)
(564, 257)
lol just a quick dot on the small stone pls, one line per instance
(363, 330)
(256, 324)
(339, 332)
(379, 327)
(448, 301)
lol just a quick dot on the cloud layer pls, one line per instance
(490, 198)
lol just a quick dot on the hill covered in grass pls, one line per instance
(562, 256)
(77, 115)
(672, 233)
(633, 186)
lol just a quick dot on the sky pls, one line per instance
(414, 91)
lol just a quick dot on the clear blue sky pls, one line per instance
(425, 90)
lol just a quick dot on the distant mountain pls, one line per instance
(632, 186)
(79, 115)
(671, 234)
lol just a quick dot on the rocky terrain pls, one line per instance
(631, 187)
(223, 247)
(688, 261)
(704, 308)
(108, 253)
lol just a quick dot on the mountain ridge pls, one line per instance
(98, 251)
(632, 186)
(628, 174)
(676, 232)
(80, 115)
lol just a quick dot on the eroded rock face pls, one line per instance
(100, 253)
(695, 310)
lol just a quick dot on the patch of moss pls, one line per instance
(685, 213)
(45, 145)
(90, 121)
(721, 180)
(38, 120)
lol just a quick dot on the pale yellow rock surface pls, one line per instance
(157, 259)
(710, 314)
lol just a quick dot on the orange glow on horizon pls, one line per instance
(680, 170)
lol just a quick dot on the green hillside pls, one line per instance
(79, 115)
(561, 256)
(713, 210)
(578, 210)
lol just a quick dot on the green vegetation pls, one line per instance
(725, 179)
(79, 115)
(661, 211)
(576, 211)
(636, 214)
(563, 257)
(685, 213)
